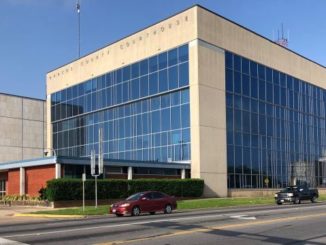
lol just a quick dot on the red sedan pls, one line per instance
(144, 202)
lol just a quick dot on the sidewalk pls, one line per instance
(7, 213)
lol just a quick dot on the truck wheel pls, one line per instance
(278, 203)
(314, 199)
(297, 200)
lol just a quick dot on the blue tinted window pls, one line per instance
(253, 69)
(184, 96)
(229, 60)
(175, 117)
(163, 81)
(237, 83)
(173, 77)
(183, 74)
(153, 64)
(245, 66)
(135, 70)
(261, 72)
(153, 83)
(237, 63)
(245, 85)
(143, 67)
(134, 89)
(162, 60)
(172, 57)
(143, 86)
(229, 80)
(126, 73)
(183, 53)
(254, 88)
(175, 98)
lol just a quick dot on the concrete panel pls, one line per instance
(31, 153)
(212, 116)
(214, 158)
(214, 184)
(10, 154)
(11, 132)
(33, 109)
(33, 134)
(208, 124)
(10, 106)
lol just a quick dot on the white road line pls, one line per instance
(10, 242)
(245, 217)
(208, 216)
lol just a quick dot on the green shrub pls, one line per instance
(71, 189)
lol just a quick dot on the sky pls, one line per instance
(37, 36)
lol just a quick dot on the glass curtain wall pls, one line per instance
(142, 108)
(275, 127)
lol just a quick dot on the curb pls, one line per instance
(49, 216)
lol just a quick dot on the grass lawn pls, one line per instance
(182, 205)
(89, 210)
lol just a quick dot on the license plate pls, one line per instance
(282, 200)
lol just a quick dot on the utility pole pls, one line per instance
(78, 16)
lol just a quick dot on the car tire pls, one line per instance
(168, 209)
(135, 211)
(119, 215)
(297, 200)
(314, 199)
(278, 203)
(151, 213)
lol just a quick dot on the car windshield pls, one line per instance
(288, 189)
(135, 196)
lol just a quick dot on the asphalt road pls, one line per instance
(286, 224)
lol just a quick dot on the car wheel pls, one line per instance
(135, 211)
(152, 213)
(296, 200)
(314, 199)
(279, 203)
(168, 209)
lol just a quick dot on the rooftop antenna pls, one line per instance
(78, 15)
(282, 40)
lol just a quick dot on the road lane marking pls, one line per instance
(245, 217)
(208, 216)
(10, 242)
(213, 228)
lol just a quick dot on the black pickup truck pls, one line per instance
(295, 194)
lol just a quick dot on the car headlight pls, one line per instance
(111, 205)
(290, 194)
(275, 195)
(125, 205)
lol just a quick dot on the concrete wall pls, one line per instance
(23, 128)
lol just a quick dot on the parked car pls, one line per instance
(144, 202)
(295, 194)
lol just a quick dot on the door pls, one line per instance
(146, 203)
(2, 188)
(158, 201)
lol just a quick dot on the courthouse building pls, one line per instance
(195, 95)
